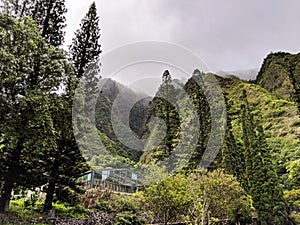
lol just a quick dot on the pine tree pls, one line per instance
(164, 107)
(201, 104)
(50, 16)
(261, 174)
(85, 48)
(166, 91)
(233, 151)
(65, 163)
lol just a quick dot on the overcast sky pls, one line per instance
(228, 35)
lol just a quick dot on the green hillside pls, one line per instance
(275, 107)
(279, 117)
(263, 129)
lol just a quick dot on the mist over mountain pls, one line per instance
(143, 133)
(242, 74)
(274, 96)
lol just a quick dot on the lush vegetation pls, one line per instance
(254, 178)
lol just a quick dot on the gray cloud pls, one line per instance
(228, 35)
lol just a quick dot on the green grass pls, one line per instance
(18, 207)
(64, 211)
(19, 214)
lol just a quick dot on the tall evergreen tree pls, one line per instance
(86, 48)
(37, 145)
(167, 90)
(233, 151)
(65, 163)
(84, 53)
(26, 125)
(261, 174)
(201, 104)
(163, 106)
(50, 16)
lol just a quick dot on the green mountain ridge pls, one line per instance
(273, 99)
(279, 118)
(280, 75)
(260, 146)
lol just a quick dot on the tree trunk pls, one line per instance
(8, 185)
(47, 19)
(205, 217)
(49, 197)
(10, 178)
(51, 187)
(5, 196)
(23, 8)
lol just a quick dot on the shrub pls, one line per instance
(91, 197)
(127, 218)
(123, 203)
(104, 206)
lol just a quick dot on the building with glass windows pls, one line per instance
(118, 180)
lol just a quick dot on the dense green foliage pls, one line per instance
(85, 48)
(197, 94)
(50, 17)
(37, 142)
(260, 154)
(162, 106)
(26, 102)
(280, 74)
(199, 198)
(262, 179)
(170, 199)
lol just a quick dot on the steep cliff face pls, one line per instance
(280, 75)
